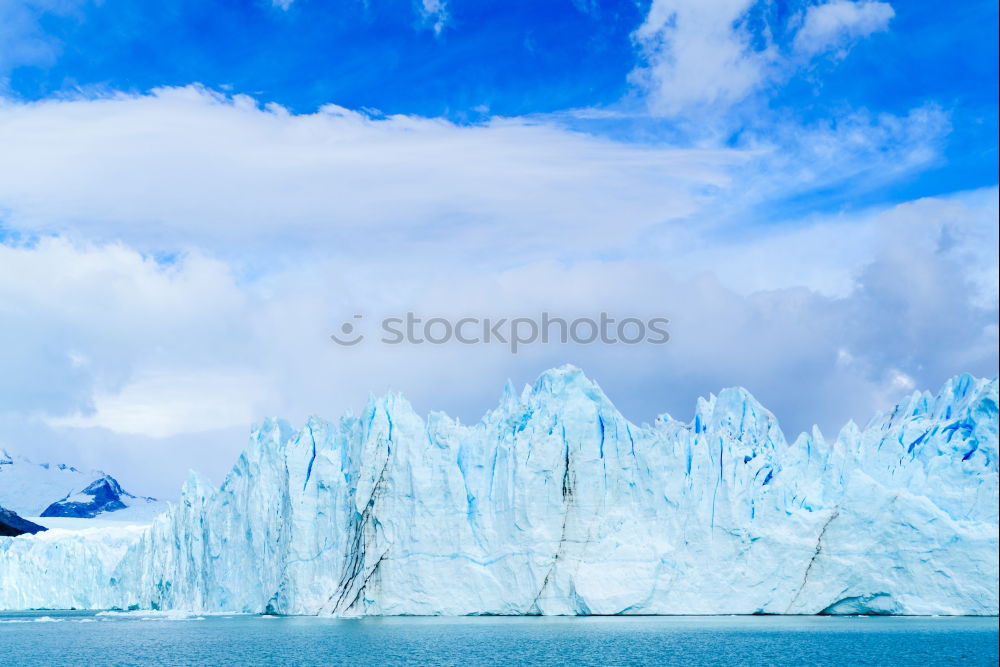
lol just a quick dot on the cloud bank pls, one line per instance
(172, 262)
(110, 344)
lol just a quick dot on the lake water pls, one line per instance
(58, 638)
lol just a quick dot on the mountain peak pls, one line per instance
(60, 490)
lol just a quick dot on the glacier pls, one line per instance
(63, 568)
(554, 503)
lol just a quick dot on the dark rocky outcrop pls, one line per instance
(102, 495)
(11, 525)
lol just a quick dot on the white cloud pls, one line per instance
(165, 403)
(699, 55)
(858, 148)
(435, 13)
(283, 225)
(287, 224)
(282, 4)
(702, 59)
(111, 350)
(189, 166)
(22, 39)
(834, 25)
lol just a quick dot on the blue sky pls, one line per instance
(512, 59)
(194, 194)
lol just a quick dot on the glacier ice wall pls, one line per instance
(63, 569)
(555, 504)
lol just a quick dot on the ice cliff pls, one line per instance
(555, 504)
(64, 569)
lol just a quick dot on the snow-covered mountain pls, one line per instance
(57, 490)
(555, 504)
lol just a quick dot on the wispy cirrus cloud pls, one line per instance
(254, 175)
(23, 40)
(435, 14)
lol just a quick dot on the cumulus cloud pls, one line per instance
(834, 25)
(699, 54)
(111, 349)
(174, 263)
(700, 59)
(166, 403)
(79, 317)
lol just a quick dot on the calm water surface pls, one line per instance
(85, 638)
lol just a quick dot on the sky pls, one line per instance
(195, 194)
